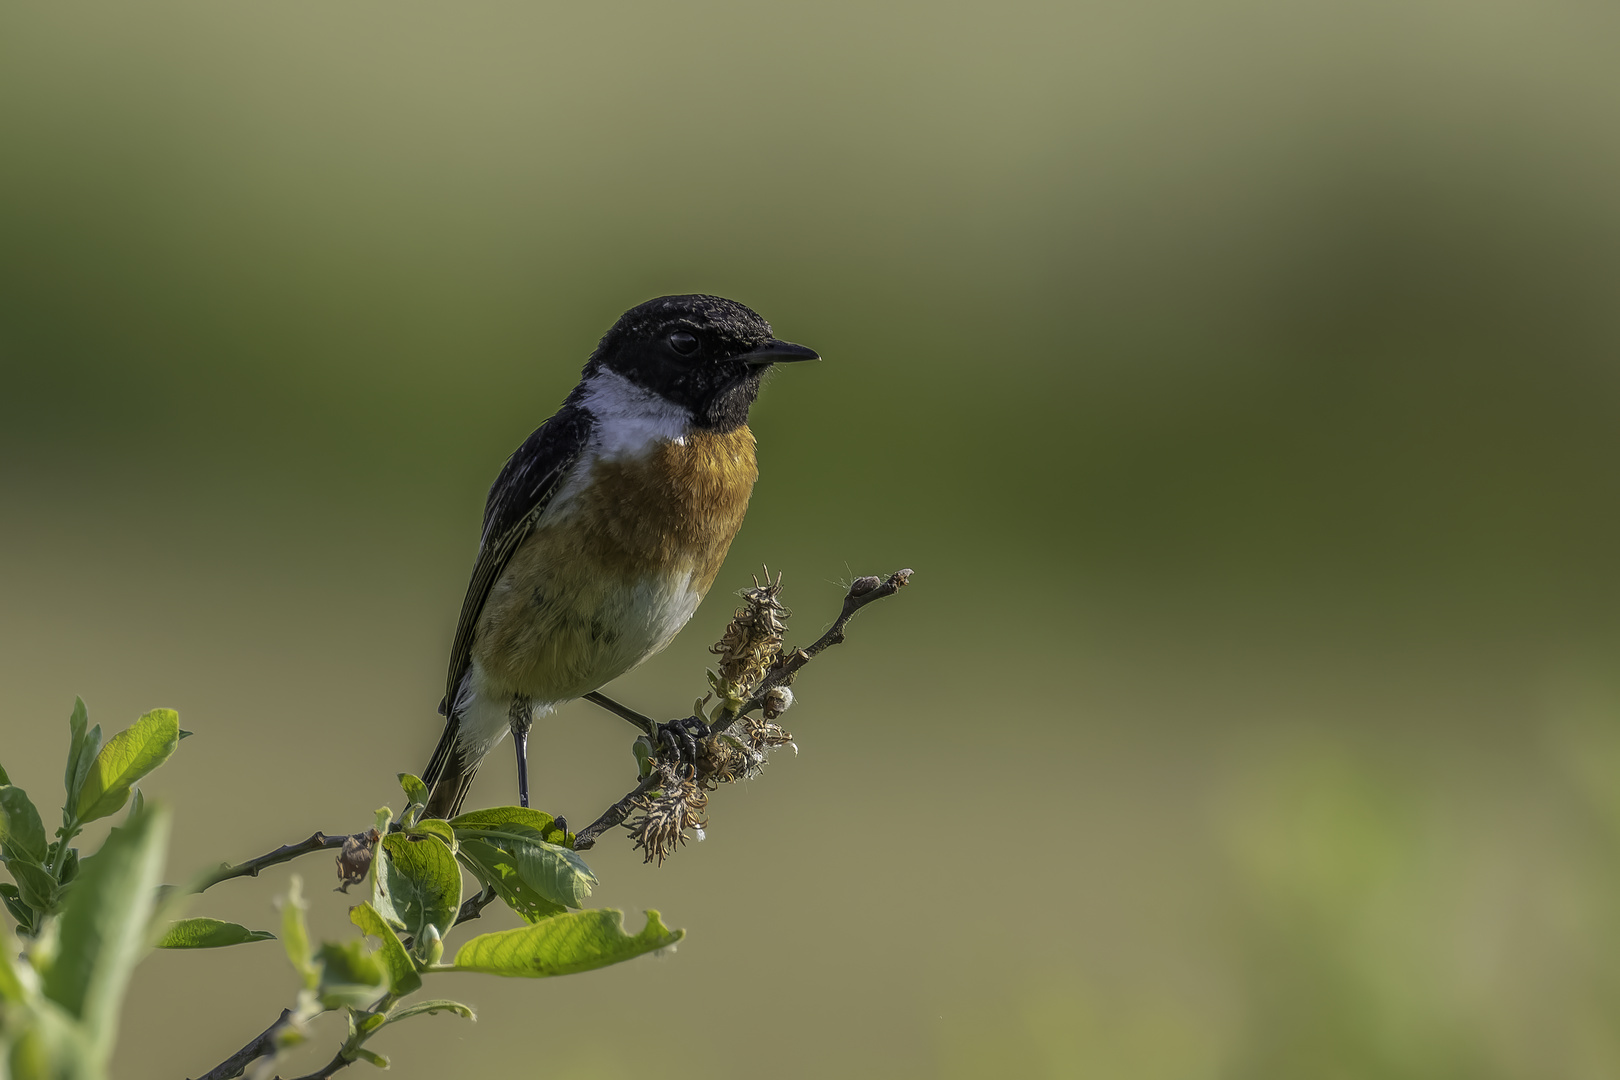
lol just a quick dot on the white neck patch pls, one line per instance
(630, 421)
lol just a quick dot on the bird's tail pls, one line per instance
(449, 774)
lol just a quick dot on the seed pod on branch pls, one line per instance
(666, 814)
(753, 638)
(778, 699)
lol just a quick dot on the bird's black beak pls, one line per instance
(779, 352)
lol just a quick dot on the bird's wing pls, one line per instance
(520, 494)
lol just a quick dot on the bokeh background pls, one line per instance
(1240, 379)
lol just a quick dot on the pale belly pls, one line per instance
(554, 635)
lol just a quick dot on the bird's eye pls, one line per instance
(684, 343)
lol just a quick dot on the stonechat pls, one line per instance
(605, 529)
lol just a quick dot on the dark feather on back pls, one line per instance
(520, 494)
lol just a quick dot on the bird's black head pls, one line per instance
(705, 353)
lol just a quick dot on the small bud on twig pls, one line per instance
(434, 950)
(778, 699)
(863, 585)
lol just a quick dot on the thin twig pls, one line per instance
(325, 1071)
(864, 591)
(262, 1044)
(285, 853)
(586, 838)
(474, 906)
(861, 593)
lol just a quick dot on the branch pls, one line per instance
(862, 591)
(474, 906)
(586, 838)
(264, 1043)
(338, 1062)
(285, 853)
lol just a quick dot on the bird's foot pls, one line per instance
(681, 737)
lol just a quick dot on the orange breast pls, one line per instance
(613, 575)
(677, 508)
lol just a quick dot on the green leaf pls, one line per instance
(11, 896)
(89, 747)
(416, 884)
(415, 790)
(128, 756)
(295, 934)
(498, 816)
(77, 723)
(434, 827)
(82, 748)
(497, 868)
(416, 796)
(53, 1046)
(569, 943)
(103, 926)
(370, 1057)
(24, 831)
(11, 984)
(526, 858)
(38, 888)
(350, 976)
(209, 934)
(70, 867)
(555, 872)
(402, 976)
(4, 779)
(437, 1005)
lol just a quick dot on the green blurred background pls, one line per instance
(1239, 378)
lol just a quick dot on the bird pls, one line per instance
(606, 527)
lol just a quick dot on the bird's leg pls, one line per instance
(647, 725)
(521, 716)
(520, 739)
(680, 736)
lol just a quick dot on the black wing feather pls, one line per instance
(520, 494)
